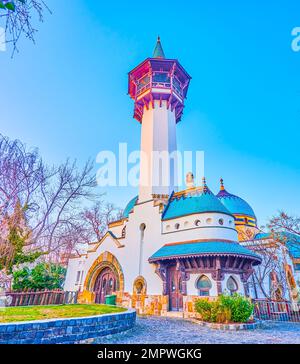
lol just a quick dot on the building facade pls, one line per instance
(170, 246)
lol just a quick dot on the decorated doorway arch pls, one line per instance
(104, 277)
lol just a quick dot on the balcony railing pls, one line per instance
(162, 85)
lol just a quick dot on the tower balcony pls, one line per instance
(158, 79)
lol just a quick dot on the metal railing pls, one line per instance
(277, 311)
(164, 85)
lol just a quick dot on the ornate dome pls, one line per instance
(235, 204)
(195, 201)
(129, 207)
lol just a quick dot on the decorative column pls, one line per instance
(218, 275)
(244, 278)
(161, 271)
(183, 275)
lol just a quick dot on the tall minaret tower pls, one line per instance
(158, 87)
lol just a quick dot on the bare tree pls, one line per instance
(282, 240)
(59, 199)
(285, 229)
(97, 218)
(269, 276)
(49, 198)
(18, 17)
(46, 208)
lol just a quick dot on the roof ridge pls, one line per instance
(167, 206)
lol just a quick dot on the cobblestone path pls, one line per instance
(152, 330)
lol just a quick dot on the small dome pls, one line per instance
(202, 201)
(235, 204)
(129, 207)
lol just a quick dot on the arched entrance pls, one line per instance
(103, 278)
(105, 284)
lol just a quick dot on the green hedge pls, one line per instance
(235, 308)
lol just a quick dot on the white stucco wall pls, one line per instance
(117, 230)
(75, 266)
(209, 228)
(129, 255)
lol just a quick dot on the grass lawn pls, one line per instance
(31, 313)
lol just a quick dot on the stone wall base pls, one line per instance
(145, 304)
(66, 331)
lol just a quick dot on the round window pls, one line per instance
(197, 222)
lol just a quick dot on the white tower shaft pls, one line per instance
(158, 167)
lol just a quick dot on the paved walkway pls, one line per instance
(160, 330)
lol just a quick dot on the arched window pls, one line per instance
(139, 285)
(143, 228)
(232, 286)
(203, 285)
(142, 234)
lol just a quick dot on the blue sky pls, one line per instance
(67, 95)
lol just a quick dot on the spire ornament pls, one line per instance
(205, 188)
(222, 188)
(158, 51)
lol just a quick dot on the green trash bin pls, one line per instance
(110, 300)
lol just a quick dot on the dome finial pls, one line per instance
(222, 188)
(158, 51)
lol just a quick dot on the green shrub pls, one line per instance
(42, 276)
(203, 307)
(235, 308)
(241, 307)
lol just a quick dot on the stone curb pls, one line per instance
(229, 327)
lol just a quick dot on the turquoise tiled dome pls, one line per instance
(201, 202)
(129, 207)
(234, 204)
